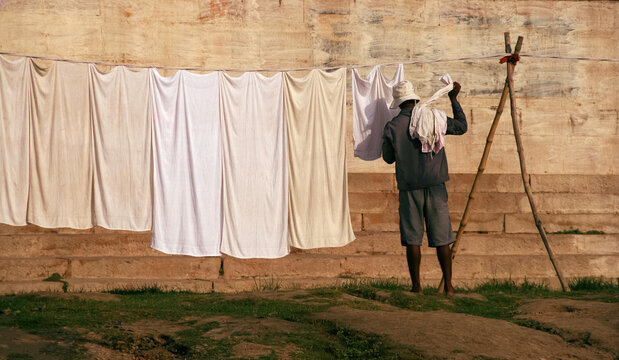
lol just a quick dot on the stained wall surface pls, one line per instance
(568, 109)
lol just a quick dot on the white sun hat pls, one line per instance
(401, 92)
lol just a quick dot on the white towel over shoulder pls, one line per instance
(430, 125)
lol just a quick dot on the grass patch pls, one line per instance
(592, 284)
(526, 288)
(329, 293)
(55, 277)
(383, 284)
(578, 232)
(147, 290)
(71, 322)
(270, 284)
(18, 356)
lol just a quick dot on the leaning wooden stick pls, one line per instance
(482, 164)
(523, 169)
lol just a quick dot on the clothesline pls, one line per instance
(428, 61)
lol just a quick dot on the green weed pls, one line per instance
(270, 284)
(578, 232)
(55, 277)
(592, 284)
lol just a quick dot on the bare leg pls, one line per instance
(444, 258)
(413, 256)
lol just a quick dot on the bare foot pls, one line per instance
(417, 290)
(449, 291)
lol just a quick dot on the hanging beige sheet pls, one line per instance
(14, 92)
(60, 147)
(315, 108)
(121, 123)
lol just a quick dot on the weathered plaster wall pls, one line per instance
(568, 109)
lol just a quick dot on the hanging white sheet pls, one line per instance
(255, 169)
(121, 122)
(60, 147)
(14, 134)
(370, 105)
(315, 109)
(186, 164)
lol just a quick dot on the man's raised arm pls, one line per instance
(457, 125)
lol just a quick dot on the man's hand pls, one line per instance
(453, 93)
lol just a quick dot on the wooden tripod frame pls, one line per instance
(508, 88)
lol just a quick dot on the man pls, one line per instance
(421, 178)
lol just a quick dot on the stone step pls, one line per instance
(77, 245)
(484, 267)
(510, 223)
(234, 285)
(139, 267)
(23, 269)
(6, 229)
(138, 244)
(301, 266)
(524, 223)
(510, 183)
(480, 244)
(29, 286)
(494, 202)
(478, 221)
(145, 267)
(108, 284)
(467, 266)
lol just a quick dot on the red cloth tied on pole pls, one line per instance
(514, 58)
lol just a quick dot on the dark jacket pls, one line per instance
(414, 169)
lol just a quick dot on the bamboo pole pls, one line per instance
(482, 164)
(523, 170)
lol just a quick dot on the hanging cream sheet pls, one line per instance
(255, 169)
(121, 123)
(60, 147)
(186, 164)
(370, 105)
(315, 109)
(14, 134)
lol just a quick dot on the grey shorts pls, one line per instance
(429, 204)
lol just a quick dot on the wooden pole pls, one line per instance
(482, 165)
(523, 169)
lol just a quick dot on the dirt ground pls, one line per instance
(566, 329)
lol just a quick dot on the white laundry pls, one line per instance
(60, 147)
(255, 166)
(14, 135)
(315, 108)
(186, 164)
(121, 120)
(430, 125)
(370, 103)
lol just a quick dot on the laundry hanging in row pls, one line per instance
(121, 121)
(316, 115)
(14, 140)
(370, 102)
(186, 164)
(255, 166)
(90, 154)
(61, 169)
